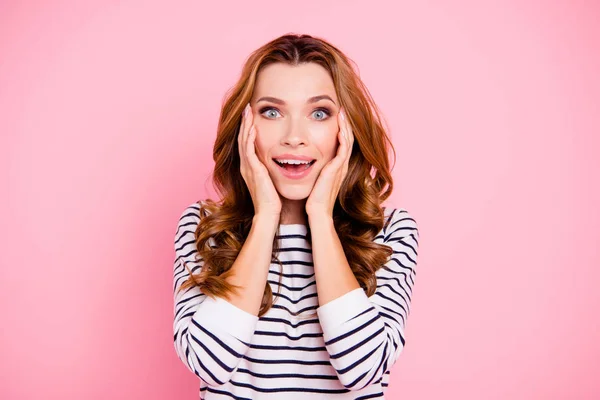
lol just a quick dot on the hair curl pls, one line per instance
(357, 215)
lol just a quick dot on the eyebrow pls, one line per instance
(313, 99)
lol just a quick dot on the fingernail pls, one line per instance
(246, 109)
(343, 116)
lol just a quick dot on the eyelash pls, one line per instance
(323, 109)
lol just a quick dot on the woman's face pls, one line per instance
(290, 121)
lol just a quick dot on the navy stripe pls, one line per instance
(287, 351)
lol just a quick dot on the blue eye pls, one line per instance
(323, 111)
(268, 109)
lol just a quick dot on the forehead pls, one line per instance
(294, 83)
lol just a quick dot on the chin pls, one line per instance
(293, 192)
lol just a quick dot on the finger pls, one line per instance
(247, 127)
(348, 142)
(341, 150)
(250, 150)
(350, 139)
(344, 123)
(341, 124)
(346, 153)
(348, 130)
(348, 134)
(341, 118)
(241, 141)
(250, 143)
(242, 126)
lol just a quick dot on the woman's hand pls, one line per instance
(264, 195)
(323, 195)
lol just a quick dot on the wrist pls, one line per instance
(265, 219)
(319, 218)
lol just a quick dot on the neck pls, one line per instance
(293, 212)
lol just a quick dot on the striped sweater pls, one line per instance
(344, 351)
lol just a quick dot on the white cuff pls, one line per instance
(220, 313)
(342, 309)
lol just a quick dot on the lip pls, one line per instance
(293, 174)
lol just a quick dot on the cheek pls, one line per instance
(262, 145)
(327, 141)
(259, 149)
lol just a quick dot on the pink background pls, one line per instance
(108, 113)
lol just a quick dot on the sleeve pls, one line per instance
(364, 336)
(211, 335)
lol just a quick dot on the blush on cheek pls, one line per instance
(335, 144)
(258, 151)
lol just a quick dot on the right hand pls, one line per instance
(264, 195)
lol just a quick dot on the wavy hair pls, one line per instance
(357, 215)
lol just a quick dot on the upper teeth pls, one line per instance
(293, 162)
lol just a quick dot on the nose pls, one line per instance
(295, 134)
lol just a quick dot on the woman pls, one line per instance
(297, 283)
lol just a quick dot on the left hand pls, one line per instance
(324, 194)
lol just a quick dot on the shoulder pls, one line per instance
(401, 233)
(189, 215)
(399, 222)
(185, 232)
(192, 213)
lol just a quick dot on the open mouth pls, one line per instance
(295, 167)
